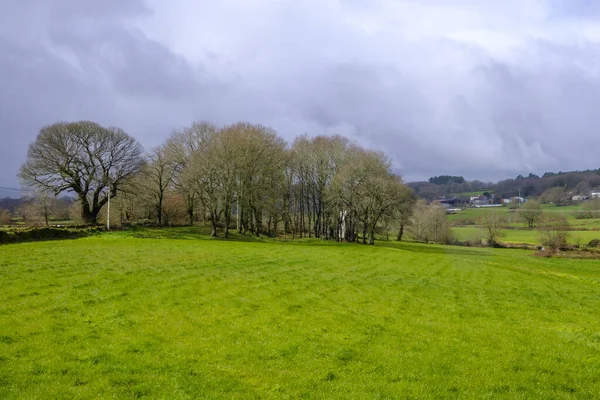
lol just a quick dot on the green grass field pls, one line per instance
(525, 236)
(172, 314)
(466, 225)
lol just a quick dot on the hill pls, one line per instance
(580, 182)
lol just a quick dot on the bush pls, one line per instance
(554, 230)
(588, 210)
(36, 234)
(594, 243)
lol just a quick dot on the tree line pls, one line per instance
(241, 176)
(549, 184)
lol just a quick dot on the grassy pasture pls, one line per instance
(525, 236)
(173, 314)
(466, 225)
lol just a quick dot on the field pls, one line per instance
(466, 226)
(173, 314)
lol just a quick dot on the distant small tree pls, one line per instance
(554, 231)
(530, 212)
(39, 208)
(492, 223)
(5, 217)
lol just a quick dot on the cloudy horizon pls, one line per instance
(484, 90)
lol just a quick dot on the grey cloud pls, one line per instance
(107, 72)
(487, 91)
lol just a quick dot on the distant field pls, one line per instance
(173, 314)
(466, 225)
(522, 236)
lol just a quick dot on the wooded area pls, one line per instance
(241, 176)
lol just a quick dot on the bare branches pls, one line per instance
(82, 157)
(323, 186)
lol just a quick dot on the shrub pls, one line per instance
(594, 243)
(35, 234)
(588, 210)
(554, 231)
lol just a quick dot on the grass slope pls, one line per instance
(117, 316)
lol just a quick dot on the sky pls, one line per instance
(487, 90)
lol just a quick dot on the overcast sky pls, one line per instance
(484, 89)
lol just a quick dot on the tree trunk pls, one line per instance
(159, 212)
(257, 221)
(191, 216)
(89, 217)
(240, 222)
(400, 233)
(190, 209)
(46, 216)
(213, 222)
(227, 220)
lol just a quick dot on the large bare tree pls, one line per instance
(85, 158)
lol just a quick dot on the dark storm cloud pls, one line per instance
(481, 89)
(84, 62)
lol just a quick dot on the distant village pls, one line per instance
(487, 200)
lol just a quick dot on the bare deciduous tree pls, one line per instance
(492, 223)
(38, 208)
(157, 177)
(530, 212)
(554, 230)
(429, 223)
(368, 190)
(403, 212)
(84, 158)
(5, 217)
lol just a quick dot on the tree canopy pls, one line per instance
(84, 158)
(445, 179)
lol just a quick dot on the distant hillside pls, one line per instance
(578, 182)
(10, 204)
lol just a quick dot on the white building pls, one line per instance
(514, 200)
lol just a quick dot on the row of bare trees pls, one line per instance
(241, 176)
